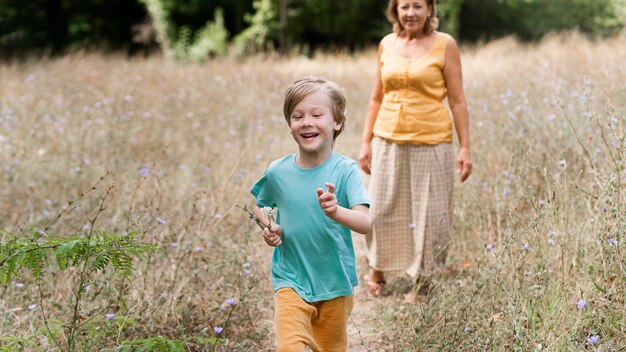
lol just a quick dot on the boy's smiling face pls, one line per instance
(312, 125)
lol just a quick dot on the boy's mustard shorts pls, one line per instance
(323, 325)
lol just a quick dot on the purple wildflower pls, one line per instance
(489, 246)
(32, 306)
(611, 242)
(109, 316)
(218, 329)
(593, 339)
(582, 304)
(231, 302)
(160, 221)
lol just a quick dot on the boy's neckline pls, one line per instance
(297, 159)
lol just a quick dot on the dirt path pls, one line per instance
(361, 331)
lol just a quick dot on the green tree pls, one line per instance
(532, 19)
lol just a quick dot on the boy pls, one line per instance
(313, 265)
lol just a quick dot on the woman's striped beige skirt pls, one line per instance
(410, 189)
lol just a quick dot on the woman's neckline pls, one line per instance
(395, 51)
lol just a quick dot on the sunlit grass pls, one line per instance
(184, 143)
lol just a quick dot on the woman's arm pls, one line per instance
(365, 155)
(453, 76)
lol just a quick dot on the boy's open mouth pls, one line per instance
(309, 135)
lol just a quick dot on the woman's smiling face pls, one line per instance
(413, 14)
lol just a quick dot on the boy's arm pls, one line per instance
(356, 219)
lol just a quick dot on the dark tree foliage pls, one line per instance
(195, 13)
(532, 19)
(337, 24)
(56, 26)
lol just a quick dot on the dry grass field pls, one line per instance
(168, 151)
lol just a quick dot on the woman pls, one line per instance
(407, 146)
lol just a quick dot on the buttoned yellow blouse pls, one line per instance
(413, 109)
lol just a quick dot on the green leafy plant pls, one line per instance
(83, 255)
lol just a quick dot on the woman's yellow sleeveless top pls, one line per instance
(412, 110)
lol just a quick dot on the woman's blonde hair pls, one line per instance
(430, 25)
(307, 85)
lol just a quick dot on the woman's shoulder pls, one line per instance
(388, 38)
(443, 37)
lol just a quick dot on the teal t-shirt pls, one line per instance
(316, 258)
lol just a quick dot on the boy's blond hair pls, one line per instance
(307, 85)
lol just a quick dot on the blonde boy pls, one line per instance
(313, 264)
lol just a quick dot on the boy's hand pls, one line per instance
(273, 235)
(328, 200)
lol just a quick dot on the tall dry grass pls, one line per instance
(538, 227)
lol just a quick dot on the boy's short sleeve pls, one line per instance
(263, 191)
(355, 189)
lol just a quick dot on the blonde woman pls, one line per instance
(407, 146)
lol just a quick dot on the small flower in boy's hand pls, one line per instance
(267, 211)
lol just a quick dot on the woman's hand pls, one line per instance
(365, 157)
(464, 164)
